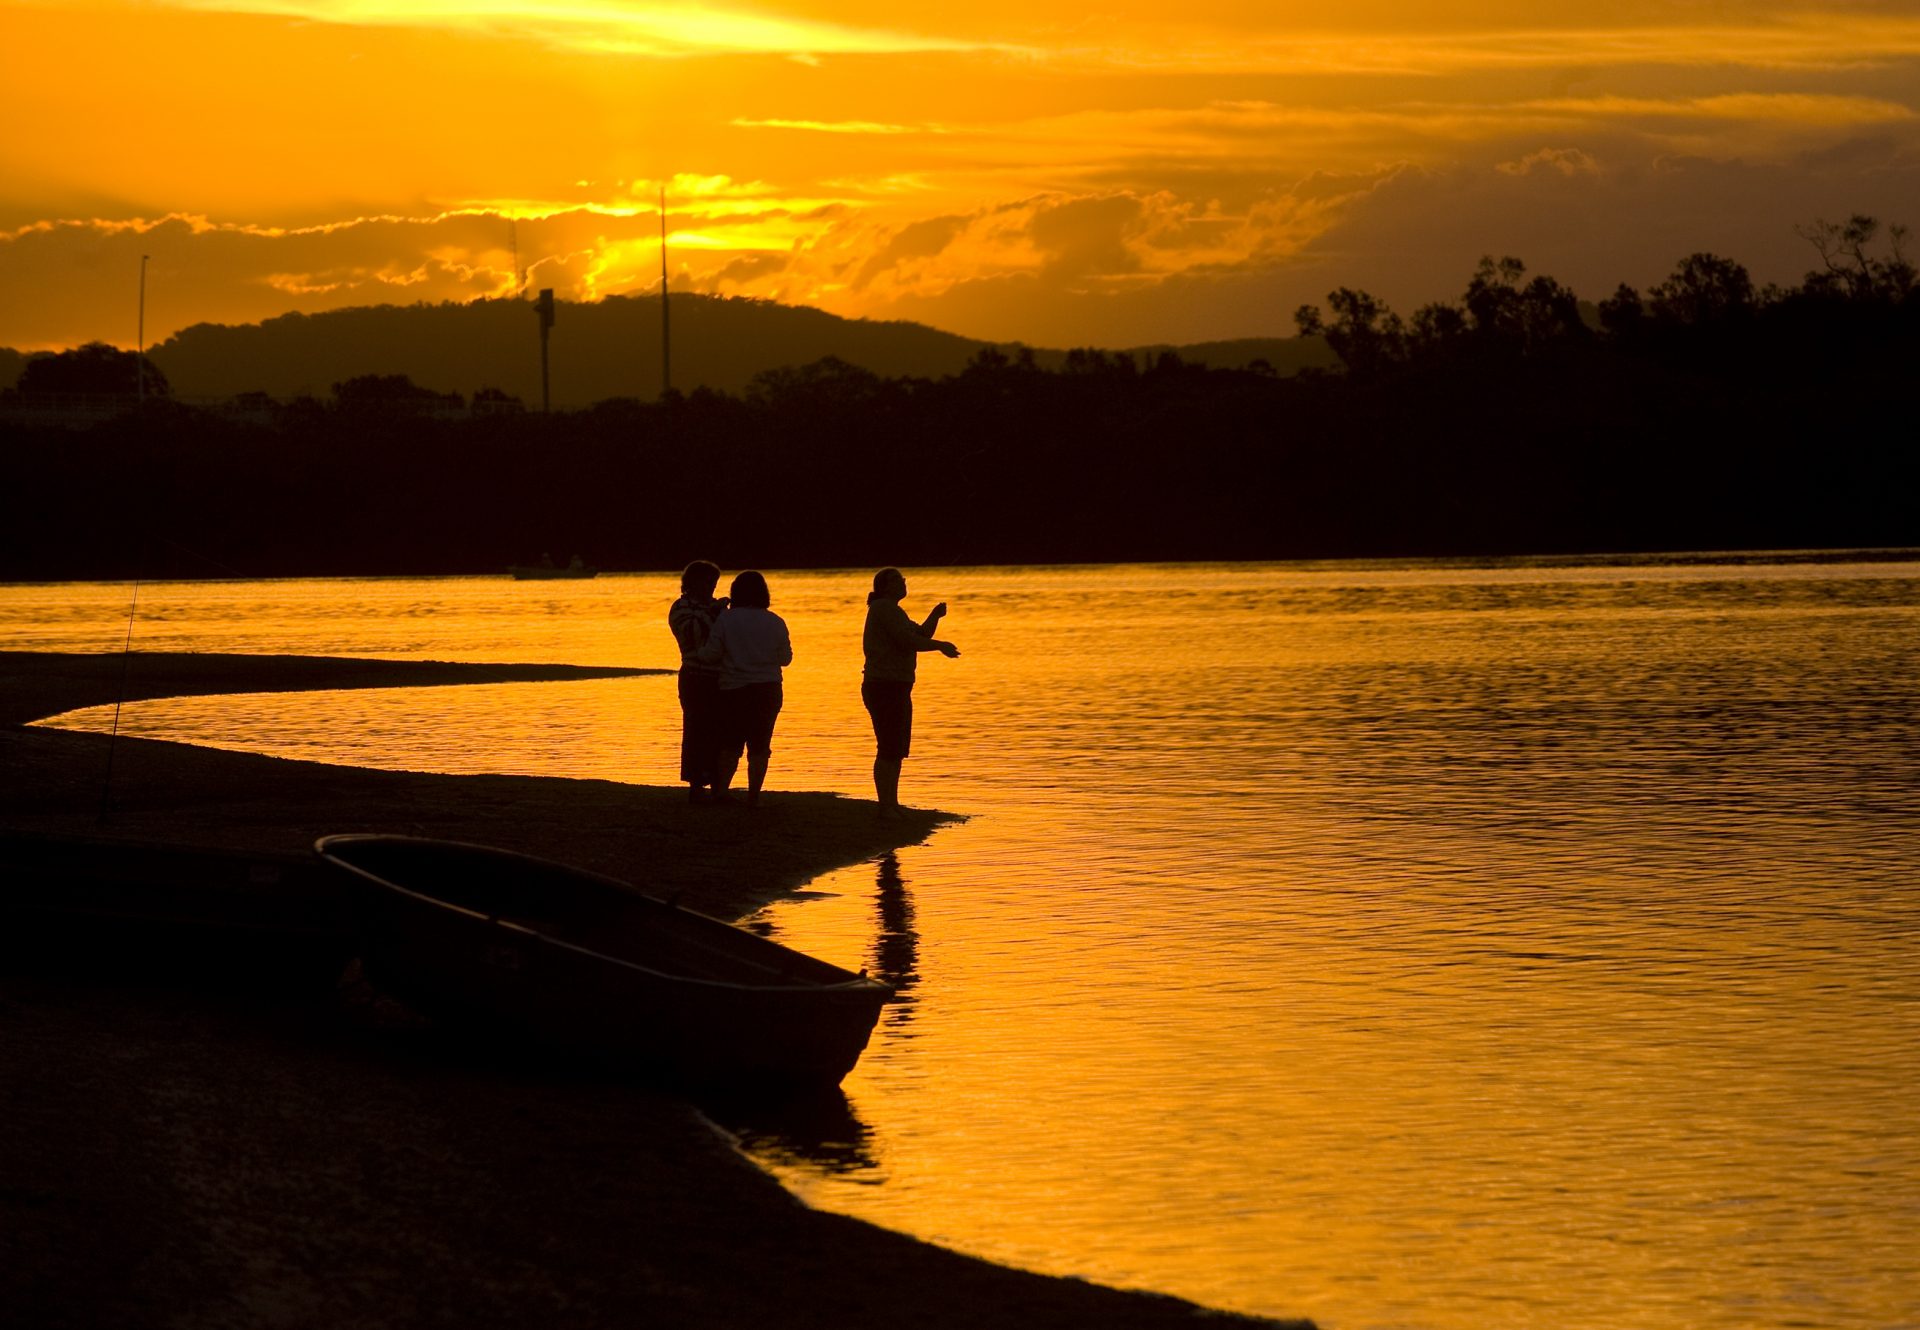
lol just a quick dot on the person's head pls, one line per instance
(888, 584)
(699, 578)
(750, 589)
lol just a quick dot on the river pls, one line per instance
(1401, 944)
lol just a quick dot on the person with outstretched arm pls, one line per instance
(893, 643)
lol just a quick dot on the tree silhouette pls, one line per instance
(1365, 332)
(1849, 269)
(827, 382)
(387, 395)
(93, 368)
(1704, 289)
(1623, 314)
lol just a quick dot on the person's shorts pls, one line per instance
(891, 706)
(747, 715)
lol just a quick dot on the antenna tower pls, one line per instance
(666, 331)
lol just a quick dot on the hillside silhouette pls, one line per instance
(602, 349)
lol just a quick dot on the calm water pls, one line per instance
(1399, 945)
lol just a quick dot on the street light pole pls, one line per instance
(140, 354)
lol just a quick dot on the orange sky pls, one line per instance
(1029, 170)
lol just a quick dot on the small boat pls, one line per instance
(590, 964)
(547, 569)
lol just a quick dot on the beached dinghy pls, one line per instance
(587, 962)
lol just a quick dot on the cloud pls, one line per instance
(1831, 41)
(1089, 237)
(1600, 215)
(1218, 251)
(1802, 110)
(836, 126)
(1565, 161)
(914, 243)
(616, 27)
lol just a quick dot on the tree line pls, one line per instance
(1703, 413)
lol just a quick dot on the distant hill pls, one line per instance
(11, 363)
(605, 349)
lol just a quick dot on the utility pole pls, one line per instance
(666, 332)
(140, 337)
(545, 307)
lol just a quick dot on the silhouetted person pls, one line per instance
(893, 643)
(692, 618)
(749, 643)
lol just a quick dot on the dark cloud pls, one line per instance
(1088, 237)
(748, 269)
(1593, 219)
(917, 240)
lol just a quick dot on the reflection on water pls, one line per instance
(817, 1130)
(896, 947)
(1415, 944)
(821, 1131)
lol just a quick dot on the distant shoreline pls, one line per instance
(1612, 558)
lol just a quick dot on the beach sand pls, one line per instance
(181, 1154)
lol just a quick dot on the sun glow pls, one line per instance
(607, 27)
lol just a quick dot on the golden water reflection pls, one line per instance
(1400, 945)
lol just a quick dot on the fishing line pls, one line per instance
(126, 662)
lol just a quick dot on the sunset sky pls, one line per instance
(1012, 169)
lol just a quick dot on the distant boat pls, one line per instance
(547, 568)
(587, 963)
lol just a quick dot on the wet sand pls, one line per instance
(192, 1155)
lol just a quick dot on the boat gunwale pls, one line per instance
(853, 984)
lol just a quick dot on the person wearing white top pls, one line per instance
(750, 644)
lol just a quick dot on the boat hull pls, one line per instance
(574, 961)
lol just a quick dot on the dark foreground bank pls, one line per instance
(194, 1154)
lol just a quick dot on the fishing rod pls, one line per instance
(113, 735)
(126, 669)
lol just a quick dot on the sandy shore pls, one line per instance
(186, 1155)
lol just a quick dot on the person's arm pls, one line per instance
(905, 633)
(911, 636)
(690, 628)
(709, 652)
(786, 644)
(933, 619)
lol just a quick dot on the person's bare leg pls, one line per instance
(723, 770)
(756, 775)
(886, 784)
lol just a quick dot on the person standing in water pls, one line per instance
(893, 644)
(749, 644)
(691, 619)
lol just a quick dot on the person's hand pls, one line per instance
(948, 649)
(940, 610)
